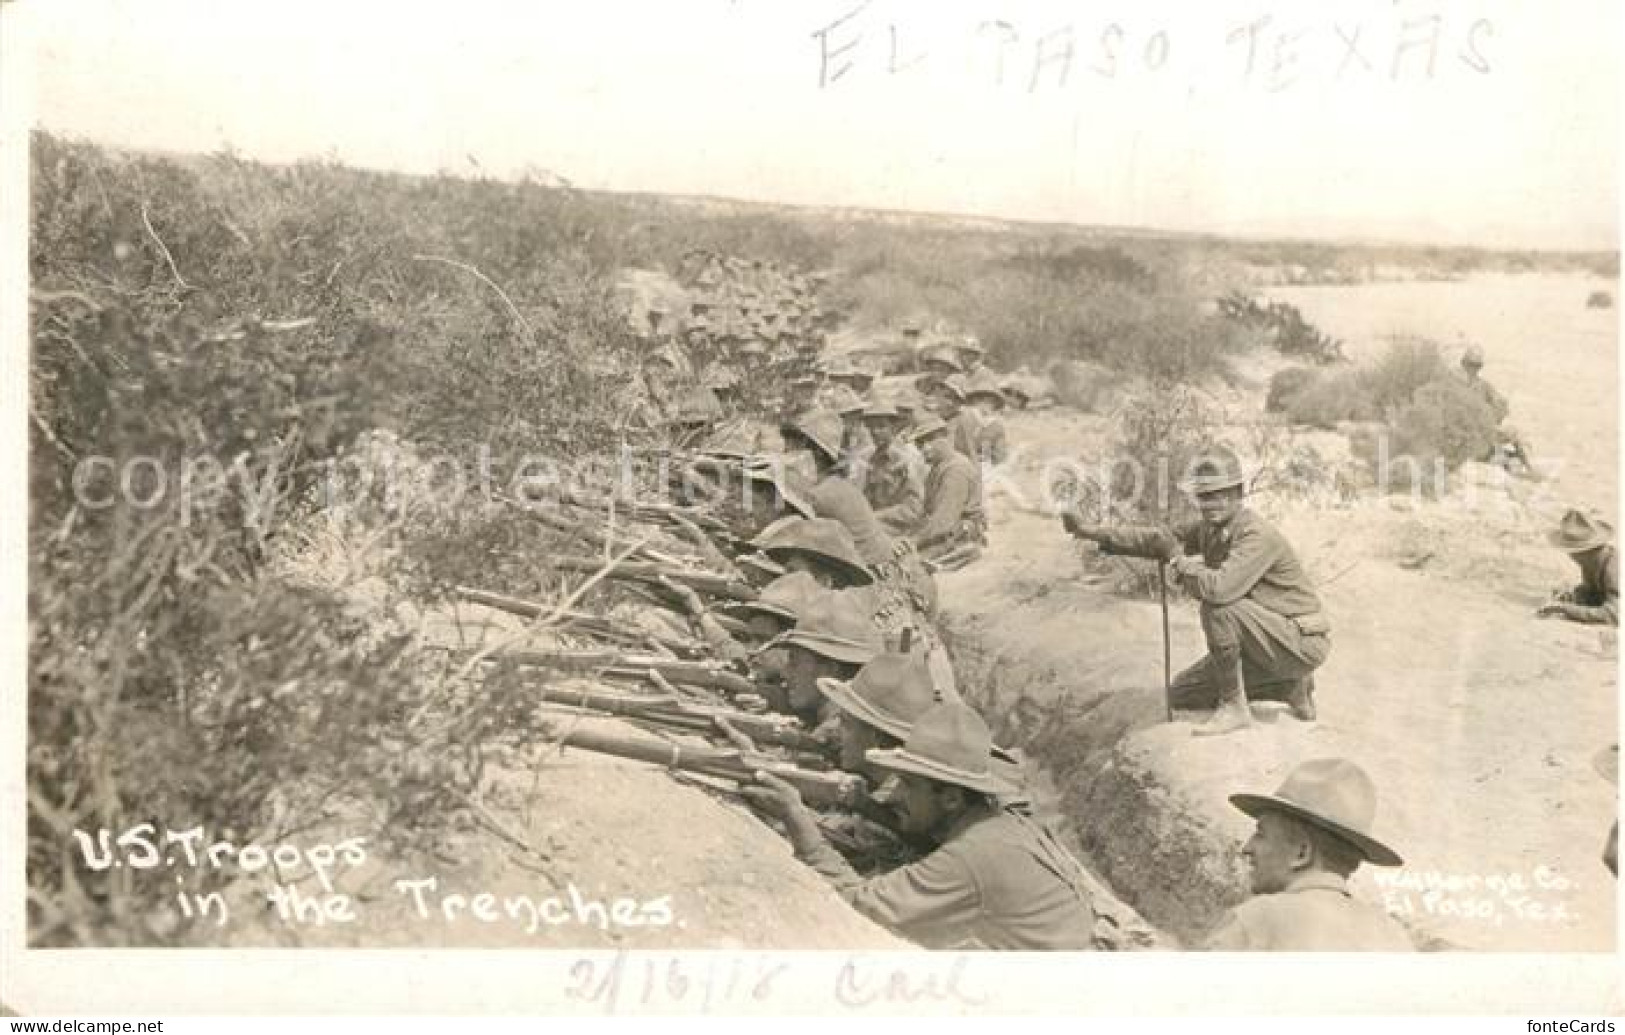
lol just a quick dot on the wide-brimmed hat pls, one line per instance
(1579, 532)
(949, 744)
(928, 425)
(824, 539)
(890, 693)
(832, 630)
(820, 427)
(786, 597)
(1331, 794)
(1473, 357)
(941, 352)
(1216, 469)
(881, 408)
(766, 471)
(969, 343)
(985, 382)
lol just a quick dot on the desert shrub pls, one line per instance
(1447, 421)
(1285, 384)
(220, 333)
(1405, 366)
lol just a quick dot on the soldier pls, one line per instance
(906, 589)
(1266, 632)
(954, 523)
(694, 416)
(984, 397)
(936, 362)
(820, 433)
(828, 642)
(1595, 601)
(996, 880)
(1509, 447)
(895, 486)
(971, 355)
(821, 548)
(1311, 835)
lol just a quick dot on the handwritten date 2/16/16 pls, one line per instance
(633, 983)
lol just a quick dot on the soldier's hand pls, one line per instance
(773, 796)
(1075, 525)
(1184, 566)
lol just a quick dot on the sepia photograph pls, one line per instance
(960, 485)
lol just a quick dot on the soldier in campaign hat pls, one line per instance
(1265, 629)
(1309, 838)
(996, 879)
(895, 481)
(1589, 543)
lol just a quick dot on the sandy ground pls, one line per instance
(1479, 724)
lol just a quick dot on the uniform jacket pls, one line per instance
(953, 494)
(1597, 596)
(998, 881)
(837, 498)
(1318, 915)
(1247, 557)
(895, 486)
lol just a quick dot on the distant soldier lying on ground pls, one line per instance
(997, 880)
(1266, 632)
(1595, 600)
(1312, 834)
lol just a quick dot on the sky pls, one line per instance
(1491, 122)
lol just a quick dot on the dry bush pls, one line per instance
(187, 665)
(1376, 391)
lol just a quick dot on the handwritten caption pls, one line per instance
(191, 851)
(626, 982)
(1537, 896)
(1265, 52)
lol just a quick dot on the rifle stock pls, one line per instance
(819, 790)
(778, 730)
(626, 666)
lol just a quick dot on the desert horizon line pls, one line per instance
(536, 175)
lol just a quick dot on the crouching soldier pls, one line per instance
(995, 880)
(1266, 632)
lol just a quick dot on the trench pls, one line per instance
(1162, 867)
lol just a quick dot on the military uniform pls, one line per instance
(953, 507)
(1596, 598)
(998, 881)
(1315, 915)
(1255, 597)
(895, 487)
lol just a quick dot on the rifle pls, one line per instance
(631, 666)
(820, 790)
(673, 712)
(703, 582)
(596, 625)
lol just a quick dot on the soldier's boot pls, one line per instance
(1232, 713)
(1301, 701)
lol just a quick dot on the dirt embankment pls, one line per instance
(1479, 723)
(580, 851)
